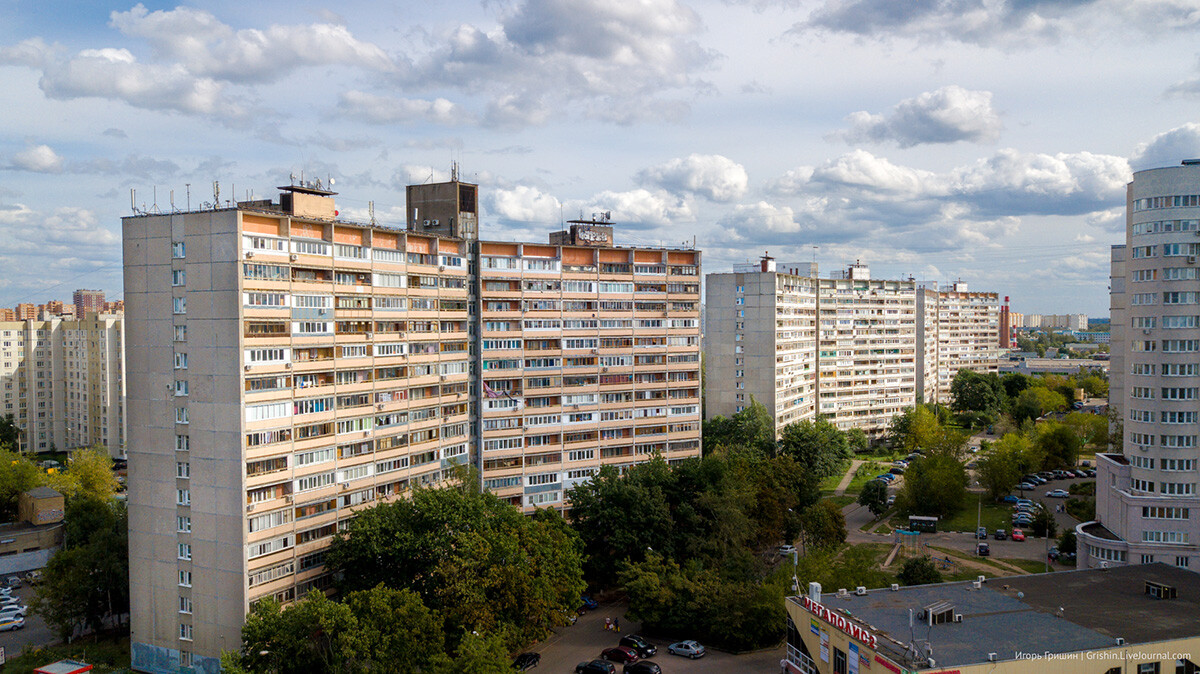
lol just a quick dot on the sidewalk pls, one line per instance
(848, 477)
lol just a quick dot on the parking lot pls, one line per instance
(584, 640)
(35, 632)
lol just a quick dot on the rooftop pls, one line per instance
(1059, 612)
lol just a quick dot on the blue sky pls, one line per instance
(987, 140)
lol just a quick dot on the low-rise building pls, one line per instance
(1095, 621)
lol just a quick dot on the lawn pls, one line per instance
(107, 655)
(829, 484)
(1030, 565)
(841, 501)
(994, 515)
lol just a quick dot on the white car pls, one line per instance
(1058, 493)
(13, 609)
(689, 649)
(12, 624)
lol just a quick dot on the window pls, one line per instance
(185, 605)
(181, 443)
(1181, 562)
(1148, 668)
(178, 277)
(181, 360)
(181, 387)
(183, 524)
(177, 250)
(181, 333)
(183, 469)
(185, 579)
(183, 497)
(181, 415)
(185, 551)
(185, 632)
(179, 305)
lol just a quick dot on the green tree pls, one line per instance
(914, 428)
(1014, 383)
(857, 440)
(1067, 542)
(1116, 430)
(1043, 523)
(975, 392)
(935, 485)
(1060, 445)
(874, 496)
(1035, 401)
(818, 445)
(752, 428)
(395, 631)
(475, 654)
(1092, 429)
(477, 560)
(1000, 469)
(89, 474)
(17, 475)
(314, 635)
(86, 583)
(10, 435)
(822, 525)
(919, 571)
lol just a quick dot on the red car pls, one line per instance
(620, 654)
(1018, 535)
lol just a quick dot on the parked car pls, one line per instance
(981, 532)
(1066, 558)
(688, 649)
(1064, 474)
(900, 462)
(1009, 499)
(1022, 521)
(12, 624)
(588, 603)
(887, 477)
(1079, 472)
(33, 577)
(983, 550)
(1027, 486)
(891, 499)
(1058, 493)
(1091, 472)
(639, 644)
(596, 667)
(620, 654)
(14, 581)
(1052, 553)
(1046, 475)
(642, 667)
(897, 470)
(786, 550)
(17, 609)
(526, 661)
(1018, 535)
(1001, 534)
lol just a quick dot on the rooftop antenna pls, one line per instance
(216, 195)
(371, 210)
(172, 201)
(154, 206)
(292, 178)
(133, 200)
(454, 171)
(188, 186)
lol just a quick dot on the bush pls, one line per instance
(919, 571)
(1082, 509)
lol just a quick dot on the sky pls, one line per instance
(982, 140)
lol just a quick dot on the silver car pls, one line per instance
(690, 649)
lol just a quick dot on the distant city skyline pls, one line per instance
(991, 145)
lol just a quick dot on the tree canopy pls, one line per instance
(468, 555)
(818, 445)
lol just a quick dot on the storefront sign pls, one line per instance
(853, 658)
(824, 646)
(592, 235)
(841, 622)
(887, 665)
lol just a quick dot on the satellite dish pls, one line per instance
(331, 181)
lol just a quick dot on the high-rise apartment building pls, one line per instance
(844, 347)
(88, 301)
(64, 382)
(589, 356)
(290, 368)
(852, 349)
(966, 331)
(1146, 496)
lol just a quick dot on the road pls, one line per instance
(584, 640)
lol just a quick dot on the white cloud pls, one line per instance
(948, 115)
(206, 47)
(760, 216)
(1006, 23)
(388, 110)
(38, 159)
(412, 174)
(712, 176)
(523, 204)
(117, 74)
(640, 207)
(1168, 148)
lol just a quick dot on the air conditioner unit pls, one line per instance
(1120, 641)
(249, 507)
(991, 657)
(293, 257)
(288, 365)
(604, 369)
(977, 585)
(400, 335)
(860, 591)
(288, 498)
(369, 335)
(345, 485)
(441, 267)
(379, 406)
(981, 579)
(1146, 331)
(435, 223)
(1191, 259)
(842, 592)
(957, 617)
(895, 587)
(426, 223)
(249, 254)
(246, 368)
